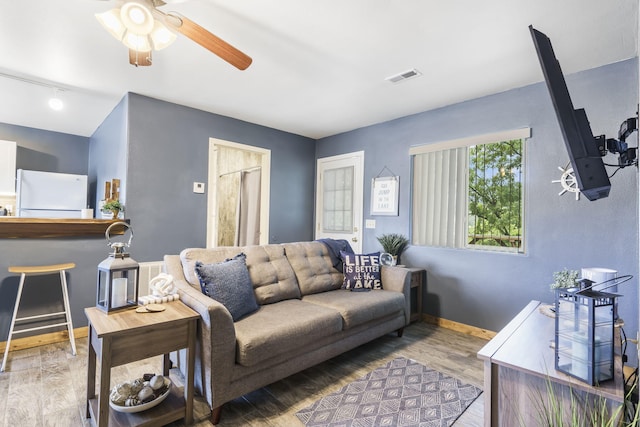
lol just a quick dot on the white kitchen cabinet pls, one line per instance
(7, 168)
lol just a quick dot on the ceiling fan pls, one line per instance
(142, 27)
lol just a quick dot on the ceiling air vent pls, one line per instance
(404, 76)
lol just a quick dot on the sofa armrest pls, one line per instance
(398, 279)
(216, 331)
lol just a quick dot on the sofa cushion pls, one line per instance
(228, 283)
(282, 328)
(313, 267)
(271, 274)
(361, 271)
(357, 308)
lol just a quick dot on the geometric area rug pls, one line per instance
(401, 393)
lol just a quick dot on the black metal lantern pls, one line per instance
(585, 333)
(117, 276)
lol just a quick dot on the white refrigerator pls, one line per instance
(50, 195)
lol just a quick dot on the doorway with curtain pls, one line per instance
(238, 202)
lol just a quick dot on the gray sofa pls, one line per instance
(304, 317)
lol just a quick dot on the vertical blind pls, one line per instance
(439, 199)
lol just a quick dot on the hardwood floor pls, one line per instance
(46, 386)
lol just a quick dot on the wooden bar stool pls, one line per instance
(33, 271)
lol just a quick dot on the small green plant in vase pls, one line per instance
(114, 206)
(393, 244)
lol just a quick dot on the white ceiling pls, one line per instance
(319, 66)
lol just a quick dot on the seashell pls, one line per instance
(156, 382)
(132, 401)
(136, 385)
(145, 393)
(120, 393)
(117, 398)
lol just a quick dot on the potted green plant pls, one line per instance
(394, 244)
(114, 206)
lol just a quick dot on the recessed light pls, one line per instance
(56, 104)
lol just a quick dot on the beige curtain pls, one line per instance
(248, 212)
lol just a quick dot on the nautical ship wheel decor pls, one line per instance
(568, 181)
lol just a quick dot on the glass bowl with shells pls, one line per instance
(140, 394)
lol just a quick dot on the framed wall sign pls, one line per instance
(384, 195)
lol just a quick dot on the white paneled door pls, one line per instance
(339, 198)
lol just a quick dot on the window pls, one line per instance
(337, 207)
(468, 193)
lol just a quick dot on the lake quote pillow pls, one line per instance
(361, 271)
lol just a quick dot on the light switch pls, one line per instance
(198, 187)
(370, 223)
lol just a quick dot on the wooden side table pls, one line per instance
(418, 280)
(126, 336)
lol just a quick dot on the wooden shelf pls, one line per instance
(172, 409)
(33, 228)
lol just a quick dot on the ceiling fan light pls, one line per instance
(161, 36)
(136, 17)
(139, 42)
(111, 22)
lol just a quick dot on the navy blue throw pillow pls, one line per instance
(229, 283)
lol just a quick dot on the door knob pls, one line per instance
(354, 239)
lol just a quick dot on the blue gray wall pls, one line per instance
(108, 153)
(487, 289)
(47, 151)
(168, 151)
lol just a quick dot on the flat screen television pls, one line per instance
(584, 150)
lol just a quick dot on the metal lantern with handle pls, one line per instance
(117, 276)
(584, 341)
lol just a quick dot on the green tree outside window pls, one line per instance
(495, 194)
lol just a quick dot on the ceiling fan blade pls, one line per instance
(211, 42)
(139, 59)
